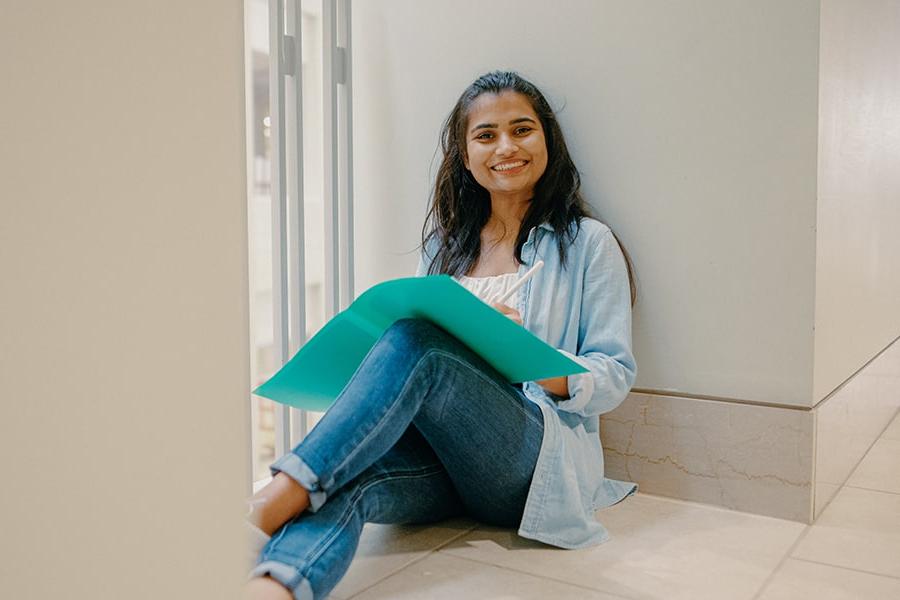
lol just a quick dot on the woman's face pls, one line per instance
(505, 147)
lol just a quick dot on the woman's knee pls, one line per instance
(417, 335)
(414, 328)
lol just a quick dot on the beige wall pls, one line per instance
(694, 125)
(124, 347)
(858, 245)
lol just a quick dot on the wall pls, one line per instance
(123, 357)
(857, 358)
(858, 247)
(694, 126)
(746, 154)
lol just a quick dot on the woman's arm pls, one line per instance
(604, 334)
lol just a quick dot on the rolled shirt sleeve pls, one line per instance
(604, 335)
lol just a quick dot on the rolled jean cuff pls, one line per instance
(294, 467)
(287, 576)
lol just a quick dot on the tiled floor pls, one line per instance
(660, 548)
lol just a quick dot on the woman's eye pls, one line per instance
(482, 136)
(522, 130)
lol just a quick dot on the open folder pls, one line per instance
(314, 377)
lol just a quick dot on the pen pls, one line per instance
(502, 299)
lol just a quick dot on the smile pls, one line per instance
(513, 165)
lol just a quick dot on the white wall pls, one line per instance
(858, 246)
(123, 357)
(694, 125)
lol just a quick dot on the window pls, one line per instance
(295, 279)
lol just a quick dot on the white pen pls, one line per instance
(512, 290)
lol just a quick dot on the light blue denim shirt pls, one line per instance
(585, 312)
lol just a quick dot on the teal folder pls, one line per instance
(317, 373)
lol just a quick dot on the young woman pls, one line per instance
(426, 430)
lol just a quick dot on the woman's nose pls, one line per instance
(506, 145)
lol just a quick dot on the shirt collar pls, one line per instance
(532, 235)
(544, 225)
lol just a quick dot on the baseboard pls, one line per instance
(763, 459)
(745, 457)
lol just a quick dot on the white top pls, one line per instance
(488, 288)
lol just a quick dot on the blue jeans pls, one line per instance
(425, 430)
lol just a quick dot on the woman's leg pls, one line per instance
(279, 500)
(483, 430)
(417, 367)
(311, 553)
(488, 440)
(266, 588)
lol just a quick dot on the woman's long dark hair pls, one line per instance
(460, 206)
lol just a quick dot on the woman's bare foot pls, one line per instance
(278, 502)
(266, 588)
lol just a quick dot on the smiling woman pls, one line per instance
(390, 449)
(483, 201)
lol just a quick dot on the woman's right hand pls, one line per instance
(509, 311)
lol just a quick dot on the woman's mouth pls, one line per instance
(510, 167)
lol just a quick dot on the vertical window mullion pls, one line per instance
(290, 273)
(330, 154)
(279, 212)
(345, 125)
(294, 126)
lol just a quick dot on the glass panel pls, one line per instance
(263, 361)
(313, 172)
(262, 353)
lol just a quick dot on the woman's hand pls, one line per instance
(508, 311)
(557, 385)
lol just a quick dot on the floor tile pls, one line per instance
(384, 549)
(801, 579)
(659, 548)
(860, 529)
(824, 493)
(445, 577)
(880, 468)
(893, 430)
